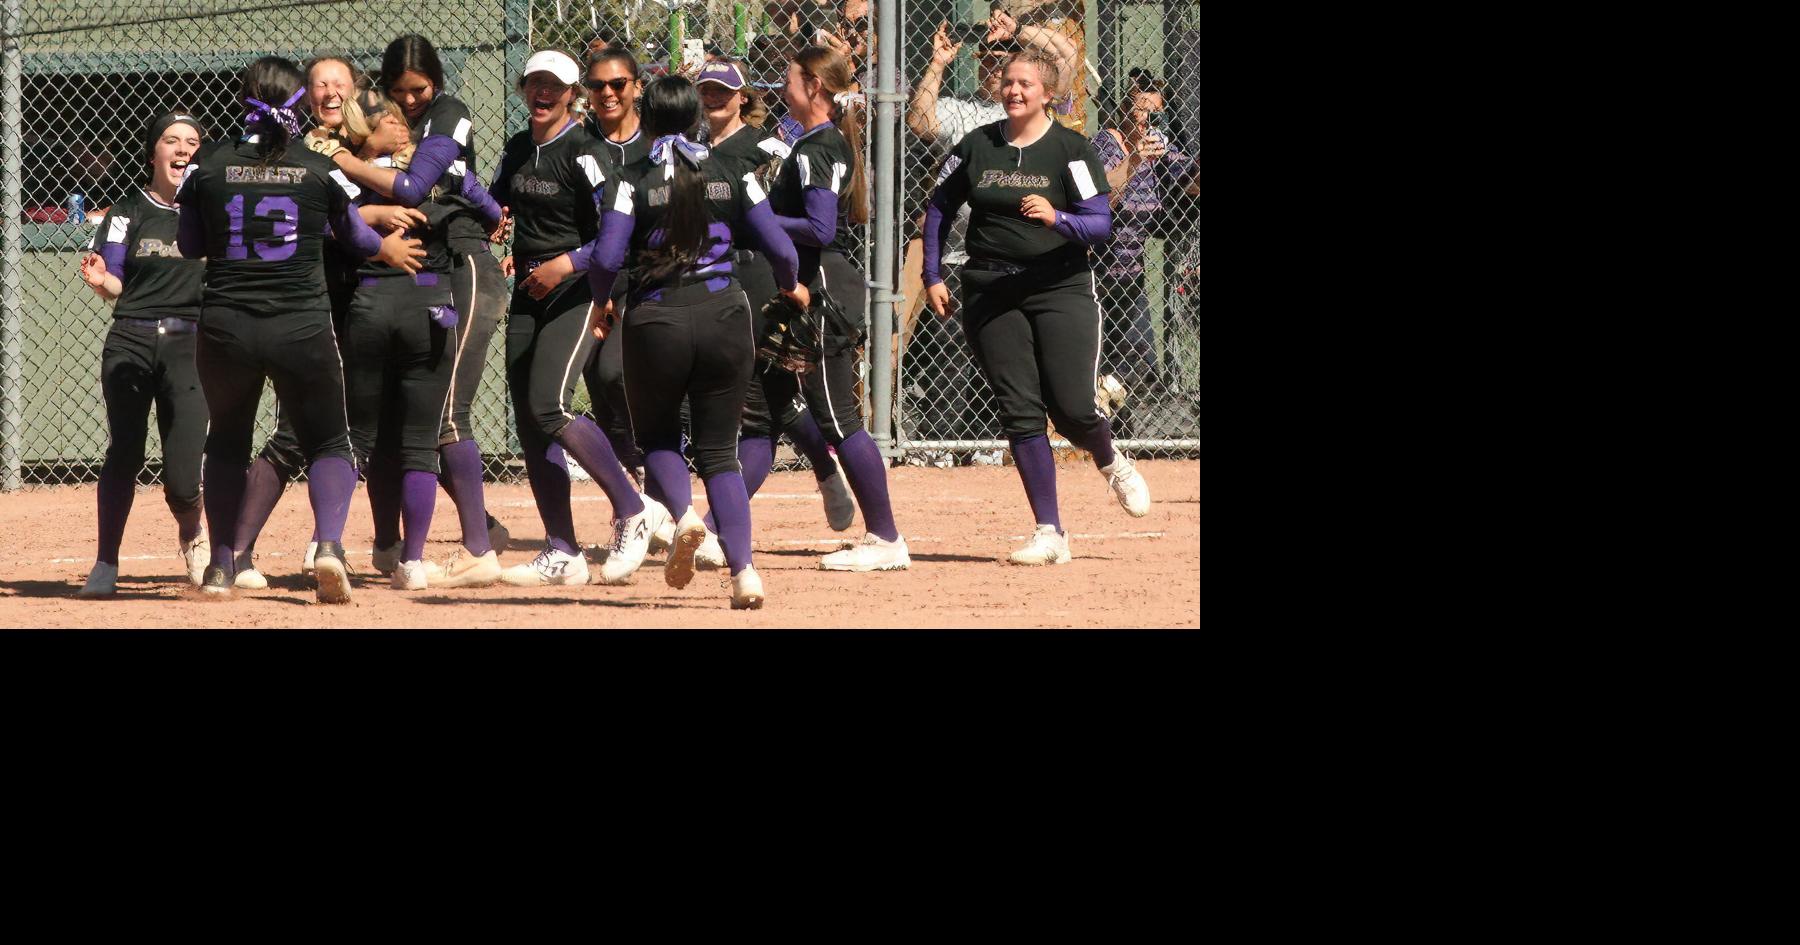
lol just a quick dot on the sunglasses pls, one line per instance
(617, 85)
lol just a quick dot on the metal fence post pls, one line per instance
(887, 194)
(12, 426)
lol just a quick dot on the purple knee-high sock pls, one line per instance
(668, 475)
(461, 478)
(1037, 469)
(549, 475)
(330, 480)
(263, 486)
(1099, 443)
(117, 491)
(867, 473)
(756, 454)
(810, 441)
(383, 477)
(583, 439)
(418, 498)
(726, 493)
(223, 495)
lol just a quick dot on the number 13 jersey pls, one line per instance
(265, 224)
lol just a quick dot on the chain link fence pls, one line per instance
(83, 79)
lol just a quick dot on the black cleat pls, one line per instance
(332, 574)
(215, 582)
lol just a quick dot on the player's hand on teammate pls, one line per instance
(1037, 207)
(392, 218)
(503, 229)
(402, 253)
(604, 318)
(801, 296)
(93, 270)
(506, 266)
(548, 275)
(938, 297)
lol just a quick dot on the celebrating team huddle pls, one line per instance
(687, 264)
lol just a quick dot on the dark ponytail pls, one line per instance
(273, 82)
(411, 53)
(670, 106)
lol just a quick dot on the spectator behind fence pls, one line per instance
(1148, 174)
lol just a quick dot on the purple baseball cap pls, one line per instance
(721, 72)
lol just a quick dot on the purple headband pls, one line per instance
(282, 114)
(691, 151)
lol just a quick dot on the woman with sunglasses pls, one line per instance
(553, 176)
(148, 357)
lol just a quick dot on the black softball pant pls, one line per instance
(695, 344)
(605, 376)
(478, 289)
(399, 365)
(142, 364)
(1036, 336)
(829, 388)
(548, 342)
(298, 352)
(283, 447)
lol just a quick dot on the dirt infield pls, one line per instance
(959, 523)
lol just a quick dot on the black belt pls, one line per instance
(422, 279)
(1052, 263)
(163, 326)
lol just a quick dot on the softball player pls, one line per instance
(149, 353)
(330, 85)
(403, 346)
(740, 144)
(257, 209)
(1037, 193)
(439, 175)
(819, 191)
(613, 87)
(686, 328)
(553, 179)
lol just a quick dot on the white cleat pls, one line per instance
(332, 574)
(1047, 546)
(631, 542)
(102, 581)
(498, 536)
(196, 554)
(385, 560)
(870, 554)
(679, 569)
(411, 576)
(710, 556)
(663, 538)
(307, 562)
(465, 570)
(746, 590)
(1129, 485)
(840, 506)
(250, 579)
(549, 568)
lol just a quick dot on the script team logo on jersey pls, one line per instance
(1014, 179)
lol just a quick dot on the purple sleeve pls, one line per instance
(484, 202)
(348, 228)
(768, 233)
(1089, 222)
(940, 219)
(114, 255)
(819, 225)
(608, 254)
(433, 156)
(583, 256)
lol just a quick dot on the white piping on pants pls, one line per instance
(824, 375)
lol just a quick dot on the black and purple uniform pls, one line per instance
(688, 336)
(261, 225)
(807, 199)
(402, 347)
(605, 370)
(1028, 306)
(555, 190)
(148, 358)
